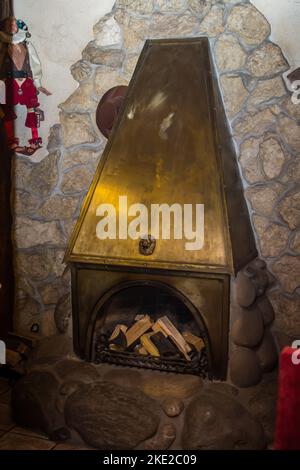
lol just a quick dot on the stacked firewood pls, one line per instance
(154, 338)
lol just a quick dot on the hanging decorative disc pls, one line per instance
(109, 107)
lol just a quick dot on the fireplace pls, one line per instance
(170, 145)
(128, 306)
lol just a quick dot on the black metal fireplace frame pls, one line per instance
(93, 285)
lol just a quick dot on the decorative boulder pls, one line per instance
(108, 416)
(216, 421)
(245, 370)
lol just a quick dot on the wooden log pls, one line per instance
(194, 341)
(116, 331)
(165, 324)
(165, 346)
(138, 329)
(148, 345)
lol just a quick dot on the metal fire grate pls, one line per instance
(197, 366)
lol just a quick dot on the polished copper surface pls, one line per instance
(169, 145)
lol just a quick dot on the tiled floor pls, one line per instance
(13, 437)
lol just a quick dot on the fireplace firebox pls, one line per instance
(170, 145)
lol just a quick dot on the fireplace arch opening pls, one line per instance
(149, 324)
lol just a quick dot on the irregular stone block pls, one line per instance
(249, 160)
(263, 198)
(171, 385)
(125, 377)
(200, 8)
(259, 275)
(51, 292)
(69, 225)
(222, 387)
(293, 170)
(171, 5)
(173, 25)
(21, 170)
(54, 139)
(29, 233)
(229, 53)
(143, 7)
(28, 312)
(102, 55)
(50, 348)
(295, 245)
(287, 318)
(33, 402)
(234, 94)
(76, 370)
(23, 284)
(63, 313)
(82, 156)
(82, 100)
(255, 124)
(25, 203)
(245, 290)
(289, 130)
(266, 60)
(213, 23)
(121, 419)
(106, 79)
(263, 404)
(272, 157)
(38, 266)
(58, 207)
(43, 176)
(162, 440)
(248, 329)
(249, 24)
(76, 180)
(172, 407)
(130, 64)
(76, 129)
(245, 370)
(81, 70)
(216, 421)
(135, 31)
(265, 91)
(273, 238)
(47, 326)
(287, 270)
(107, 32)
(290, 108)
(267, 352)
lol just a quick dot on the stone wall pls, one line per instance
(265, 126)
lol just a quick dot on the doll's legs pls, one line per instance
(34, 143)
(24, 94)
(9, 123)
(32, 123)
(13, 142)
(30, 99)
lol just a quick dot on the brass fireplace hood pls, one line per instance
(170, 144)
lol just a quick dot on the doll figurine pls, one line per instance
(20, 69)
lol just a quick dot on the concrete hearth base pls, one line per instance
(110, 407)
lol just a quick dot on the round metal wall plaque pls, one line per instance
(109, 107)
